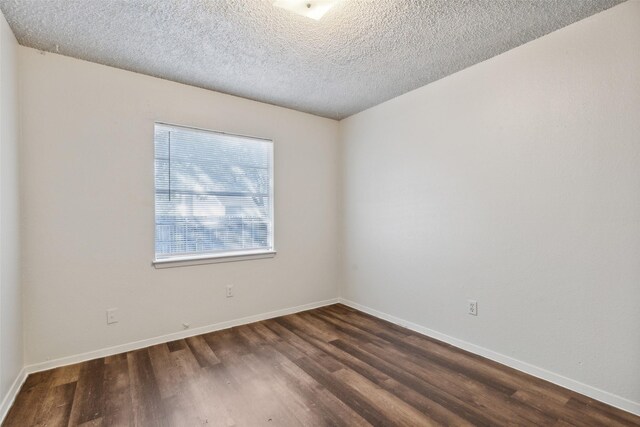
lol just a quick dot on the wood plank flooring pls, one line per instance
(332, 366)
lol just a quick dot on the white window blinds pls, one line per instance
(213, 193)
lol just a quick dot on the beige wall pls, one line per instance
(10, 292)
(515, 182)
(87, 170)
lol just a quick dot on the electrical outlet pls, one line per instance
(472, 307)
(112, 316)
(229, 291)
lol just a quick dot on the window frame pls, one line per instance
(227, 256)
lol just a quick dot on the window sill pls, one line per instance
(212, 259)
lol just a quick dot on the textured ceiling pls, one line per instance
(363, 52)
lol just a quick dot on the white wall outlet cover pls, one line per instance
(472, 307)
(112, 316)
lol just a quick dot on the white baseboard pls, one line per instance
(587, 390)
(12, 393)
(110, 351)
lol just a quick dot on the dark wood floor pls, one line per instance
(329, 366)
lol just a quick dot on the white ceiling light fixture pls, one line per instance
(314, 9)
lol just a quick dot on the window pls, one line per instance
(213, 195)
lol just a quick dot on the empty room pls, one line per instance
(319, 213)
